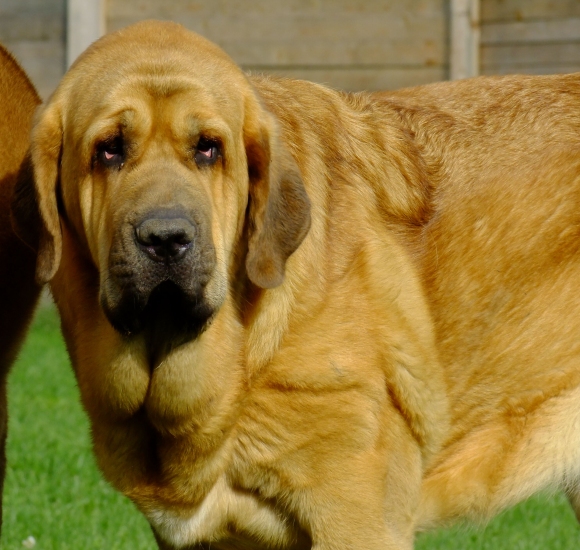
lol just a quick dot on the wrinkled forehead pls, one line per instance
(174, 109)
(124, 74)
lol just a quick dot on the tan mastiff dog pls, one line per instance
(270, 291)
(18, 289)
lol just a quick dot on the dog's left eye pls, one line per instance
(207, 151)
(111, 153)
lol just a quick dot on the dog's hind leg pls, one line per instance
(501, 464)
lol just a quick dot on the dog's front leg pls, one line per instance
(358, 530)
(354, 515)
(573, 494)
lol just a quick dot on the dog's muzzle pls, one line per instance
(159, 267)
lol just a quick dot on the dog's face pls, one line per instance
(160, 159)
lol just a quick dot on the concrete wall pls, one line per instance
(34, 31)
(530, 36)
(350, 44)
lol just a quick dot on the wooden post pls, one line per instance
(465, 37)
(85, 23)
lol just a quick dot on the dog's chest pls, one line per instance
(226, 519)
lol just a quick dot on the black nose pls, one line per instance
(165, 239)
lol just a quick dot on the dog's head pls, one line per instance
(158, 157)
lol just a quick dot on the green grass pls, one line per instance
(53, 490)
(55, 493)
(541, 523)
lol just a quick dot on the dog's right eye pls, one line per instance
(111, 153)
(207, 151)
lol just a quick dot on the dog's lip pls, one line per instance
(167, 309)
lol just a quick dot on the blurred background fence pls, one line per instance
(349, 44)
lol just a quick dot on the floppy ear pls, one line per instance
(279, 208)
(45, 152)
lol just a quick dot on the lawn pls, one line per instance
(55, 494)
(54, 491)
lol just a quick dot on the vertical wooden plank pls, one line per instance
(85, 23)
(465, 37)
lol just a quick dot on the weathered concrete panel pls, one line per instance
(549, 30)
(533, 36)
(351, 44)
(34, 31)
(520, 10)
(365, 79)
